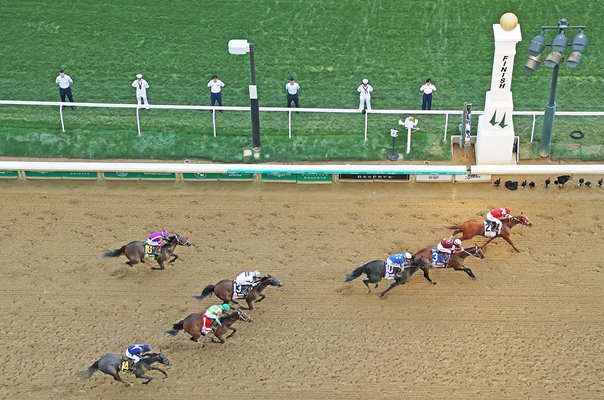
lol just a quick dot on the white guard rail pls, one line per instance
(399, 113)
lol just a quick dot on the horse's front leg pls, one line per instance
(466, 270)
(231, 334)
(507, 239)
(218, 335)
(261, 298)
(160, 370)
(148, 378)
(427, 276)
(174, 258)
(393, 285)
(161, 264)
(250, 303)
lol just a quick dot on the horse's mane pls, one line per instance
(230, 316)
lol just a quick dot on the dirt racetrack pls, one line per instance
(531, 325)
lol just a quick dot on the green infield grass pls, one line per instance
(328, 45)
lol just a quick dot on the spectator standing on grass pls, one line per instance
(141, 87)
(292, 89)
(215, 86)
(365, 90)
(64, 83)
(427, 88)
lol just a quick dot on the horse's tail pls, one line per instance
(356, 273)
(115, 253)
(177, 327)
(91, 370)
(206, 292)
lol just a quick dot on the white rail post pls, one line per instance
(533, 129)
(61, 114)
(138, 122)
(366, 125)
(214, 120)
(409, 140)
(446, 124)
(289, 123)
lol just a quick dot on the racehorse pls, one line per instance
(194, 325)
(113, 364)
(224, 291)
(376, 270)
(456, 260)
(474, 227)
(135, 251)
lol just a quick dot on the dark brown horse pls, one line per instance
(113, 364)
(135, 251)
(375, 271)
(224, 291)
(474, 227)
(456, 261)
(194, 326)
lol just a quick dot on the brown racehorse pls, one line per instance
(224, 291)
(135, 251)
(192, 325)
(474, 227)
(456, 261)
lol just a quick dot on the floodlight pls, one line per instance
(553, 59)
(532, 63)
(559, 43)
(574, 59)
(580, 42)
(537, 45)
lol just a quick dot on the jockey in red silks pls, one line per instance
(449, 246)
(496, 215)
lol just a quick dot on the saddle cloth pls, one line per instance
(238, 291)
(206, 325)
(490, 229)
(150, 251)
(439, 259)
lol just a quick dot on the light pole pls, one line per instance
(553, 60)
(243, 47)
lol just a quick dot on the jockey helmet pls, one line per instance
(256, 273)
(146, 347)
(408, 256)
(225, 307)
(457, 242)
(507, 210)
(165, 233)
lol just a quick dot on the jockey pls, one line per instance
(246, 280)
(215, 312)
(400, 261)
(135, 352)
(449, 246)
(496, 215)
(158, 239)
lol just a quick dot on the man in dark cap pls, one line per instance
(64, 83)
(215, 86)
(292, 89)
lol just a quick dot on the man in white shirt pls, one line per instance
(141, 87)
(292, 92)
(427, 88)
(365, 90)
(64, 83)
(215, 86)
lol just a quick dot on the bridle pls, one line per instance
(478, 253)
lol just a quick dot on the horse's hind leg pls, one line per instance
(395, 284)
(116, 376)
(366, 282)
